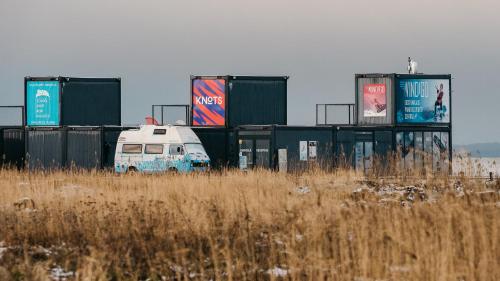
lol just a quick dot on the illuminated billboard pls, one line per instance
(374, 100)
(209, 102)
(42, 103)
(423, 101)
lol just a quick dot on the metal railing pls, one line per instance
(163, 112)
(8, 118)
(336, 114)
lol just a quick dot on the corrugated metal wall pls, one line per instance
(2, 155)
(84, 149)
(215, 142)
(389, 83)
(109, 146)
(13, 147)
(90, 102)
(290, 138)
(257, 101)
(45, 149)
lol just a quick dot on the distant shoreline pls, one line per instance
(488, 150)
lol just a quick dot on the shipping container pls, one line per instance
(374, 99)
(72, 147)
(68, 101)
(424, 147)
(403, 99)
(45, 148)
(231, 101)
(84, 147)
(220, 145)
(13, 147)
(110, 139)
(418, 147)
(359, 146)
(285, 148)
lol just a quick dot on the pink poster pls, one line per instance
(374, 100)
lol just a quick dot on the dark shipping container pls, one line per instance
(84, 148)
(72, 147)
(13, 147)
(219, 145)
(68, 101)
(301, 147)
(358, 146)
(45, 148)
(231, 101)
(403, 99)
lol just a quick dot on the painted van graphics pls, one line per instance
(42, 103)
(208, 102)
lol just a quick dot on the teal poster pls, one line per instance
(42, 103)
(423, 101)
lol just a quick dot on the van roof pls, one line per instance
(159, 134)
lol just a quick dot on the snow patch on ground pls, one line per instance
(278, 272)
(303, 190)
(59, 274)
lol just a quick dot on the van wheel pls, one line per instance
(172, 171)
(131, 170)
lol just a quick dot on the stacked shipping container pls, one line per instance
(68, 101)
(231, 101)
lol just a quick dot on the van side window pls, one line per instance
(160, 131)
(153, 149)
(176, 149)
(132, 148)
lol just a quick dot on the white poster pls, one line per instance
(303, 150)
(282, 160)
(243, 163)
(313, 150)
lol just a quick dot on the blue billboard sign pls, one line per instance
(42, 103)
(423, 101)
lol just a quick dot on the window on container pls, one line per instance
(176, 149)
(419, 150)
(408, 150)
(262, 153)
(160, 132)
(153, 149)
(132, 148)
(400, 149)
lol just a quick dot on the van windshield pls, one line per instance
(194, 148)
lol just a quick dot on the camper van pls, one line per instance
(154, 148)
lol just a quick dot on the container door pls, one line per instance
(262, 156)
(254, 152)
(368, 156)
(246, 153)
(363, 156)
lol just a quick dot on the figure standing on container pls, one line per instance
(439, 102)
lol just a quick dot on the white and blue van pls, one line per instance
(154, 148)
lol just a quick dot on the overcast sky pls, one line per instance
(155, 45)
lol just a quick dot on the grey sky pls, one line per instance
(155, 45)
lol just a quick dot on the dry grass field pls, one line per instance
(256, 225)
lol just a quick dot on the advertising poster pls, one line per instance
(423, 101)
(42, 103)
(313, 152)
(303, 150)
(209, 102)
(374, 100)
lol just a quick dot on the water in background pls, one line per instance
(476, 166)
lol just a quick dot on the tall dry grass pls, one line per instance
(255, 225)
